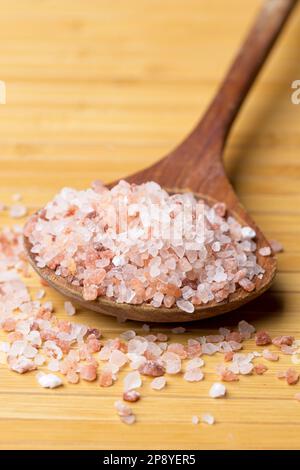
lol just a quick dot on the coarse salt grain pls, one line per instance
(158, 383)
(207, 418)
(69, 308)
(49, 380)
(217, 390)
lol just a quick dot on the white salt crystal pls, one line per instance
(207, 418)
(158, 383)
(69, 308)
(195, 420)
(193, 375)
(132, 381)
(195, 362)
(127, 335)
(53, 365)
(185, 305)
(217, 390)
(265, 251)
(40, 294)
(49, 380)
(17, 210)
(248, 232)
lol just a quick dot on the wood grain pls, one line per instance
(102, 90)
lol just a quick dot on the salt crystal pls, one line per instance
(193, 375)
(185, 305)
(49, 380)
(265, 251)
(69, 308)
(207, 418)
(158, 383)
(195, 420)
(217, 390)
(132, 380)
(17, 211)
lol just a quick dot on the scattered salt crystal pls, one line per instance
(127, 335)
(276, 246)
(194, 363)
(17, 210)
(217, 390)
(193, 375)
(158, 383)
(195, 420)
(245, 329)
(69, 308)
(248, 232)
(53, 365)
(270, 355)
(207, 418)
(40, 294)
(178, 330)
(49, 380)
(131, 396)
(132, 380)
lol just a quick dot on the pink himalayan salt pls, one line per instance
(260, 369)
(270, 355)
(292, 376)
(172, 362)
(265, 251)
(88, 372)
(284, 339)
(80, 240)
(287, 349)
(193, 375)
(245, 329)
(158, 383)
(152, 369)
(106, 377)
(21, 364)
(178, 349)
(276, 246)
(228, 376)
(262, 338)
(69, 308)
(131, 396)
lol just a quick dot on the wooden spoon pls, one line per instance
(196, 165)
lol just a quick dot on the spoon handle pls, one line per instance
(196, 163)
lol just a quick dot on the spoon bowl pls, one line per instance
(196, 166)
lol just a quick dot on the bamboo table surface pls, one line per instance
(99, 89)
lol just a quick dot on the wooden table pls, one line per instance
(98, 89)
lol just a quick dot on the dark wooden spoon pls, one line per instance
(196, 165)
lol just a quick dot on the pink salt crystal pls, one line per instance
(178, 330)
(185, 305)
(69, 308)
(217, 390)
(158, 383)
(276, 246)
(287, 349)
(127, 335)
(132, 380)
(172, 362)
(228, 376)
(122, 408)
(194, 363)
(94, 345)
(284, 339)
(178, 349)
(262, 338)
(118, 358)
(106, 377)
(72, 377)
(193, 375)
(9, 324)
(152, 368)
(131, 396)
(247, 285)
(292, 376)
(193, 348)
(246, 368)
(90, 292)
(161, 337)
(260, 369)
(245, 329)
(228, 356)
(265, 251)
(21, 364)
(270, 355)
(209, 349)
(88, 372)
